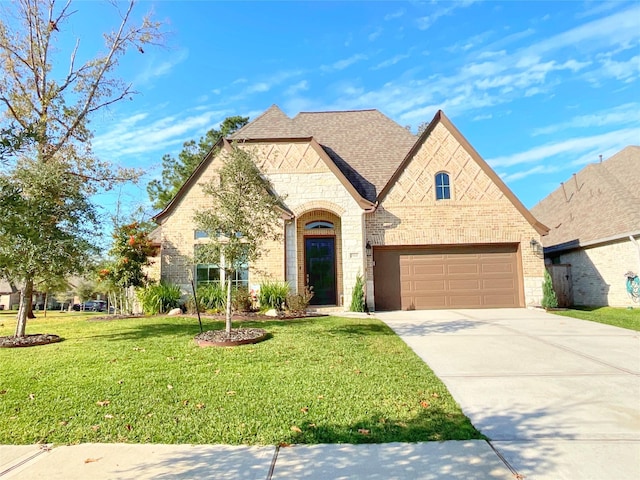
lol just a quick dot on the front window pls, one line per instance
(443, 187)
(207, 273)
(212, 273)
(318, 224)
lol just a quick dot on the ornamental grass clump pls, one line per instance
(211, 296)
(273, 295)
(159, 298)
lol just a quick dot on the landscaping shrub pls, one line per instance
(241, 300)
(298, 302)
(549, 299)
(358, 303)
(273, 295)
(159, 298)
(211, 296)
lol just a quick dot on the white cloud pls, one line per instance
(394, 15)
(342, 64)
(441, 10)
(624, 114)
(135, 135)
(569, 149)
(390, 62)
(540, 169)
(375, 34)
(298, 87)
(154, 70)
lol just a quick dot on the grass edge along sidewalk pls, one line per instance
(143, 380)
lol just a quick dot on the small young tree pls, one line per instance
(243, 213)
(358, 302)
(129, 253)
(549, 299)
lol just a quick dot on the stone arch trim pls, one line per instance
(319, 205)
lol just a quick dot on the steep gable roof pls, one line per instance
(366, 145)
(440, 117)
(598, 203)
(272, 124)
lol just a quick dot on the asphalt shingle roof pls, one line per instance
(365, 145)
(599, 202)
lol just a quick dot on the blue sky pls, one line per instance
(539, 88)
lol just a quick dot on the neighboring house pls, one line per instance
(9, 295)
(423, 218)
(594, 218)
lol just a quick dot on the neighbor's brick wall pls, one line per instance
(478, 211)
(598, 273)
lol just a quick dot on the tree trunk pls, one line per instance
(228, 309)
(26, 294)
(46, 296)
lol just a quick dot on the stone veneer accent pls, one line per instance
(598, 273)
(311, 191)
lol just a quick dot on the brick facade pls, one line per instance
(598, 273)
(477, 213)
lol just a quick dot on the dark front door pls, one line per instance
(320, 265)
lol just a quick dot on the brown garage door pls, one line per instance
(451, 277)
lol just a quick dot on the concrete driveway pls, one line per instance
(558, 397)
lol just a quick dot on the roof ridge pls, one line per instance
(342, 111)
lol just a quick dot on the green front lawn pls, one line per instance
(318, 380)
(618, 317)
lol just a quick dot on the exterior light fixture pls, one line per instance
(368, 248)
(536, 248)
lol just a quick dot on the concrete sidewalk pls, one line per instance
(428, 461)
(558, 397)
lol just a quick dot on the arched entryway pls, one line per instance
(320, 256)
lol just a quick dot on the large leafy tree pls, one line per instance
(175, 171)
(243, 213)
(47, 214)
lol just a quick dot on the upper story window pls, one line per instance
(318, 224)
(443, 187)
(200, 234)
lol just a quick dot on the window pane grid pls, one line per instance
(443, 188)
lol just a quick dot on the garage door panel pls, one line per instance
(427, 269)
(463, 269)
(500, 300)
(469, 284)
(450, 277)
(425, 303)
(496, 268)
(499, 284)
(428, 286)
(465, 301)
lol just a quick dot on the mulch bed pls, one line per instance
(29, 340)
(238, 336)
